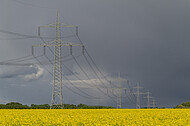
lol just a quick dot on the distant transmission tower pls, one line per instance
(148, 98)
(138, 93)
(153, 103)
(119, 94)
(57, 95)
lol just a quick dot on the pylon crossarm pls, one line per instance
(54, 25)
(65, 25)
(53, 45)
(47, 25)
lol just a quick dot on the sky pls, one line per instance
(147, 41)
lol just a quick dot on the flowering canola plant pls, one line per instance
(95, 117)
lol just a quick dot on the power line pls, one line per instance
(17, 34)
(138, 93)
(81, 90)
(119, 94)
(76, 75)
(52, 52)
(77, 36)
(97, 75)
(14, 38)
(32, 5)
(63, 84)
(89, 77)
(76, 92)
(15, 59)
(94, 71)
(82, 69)
(42, 65)
(91, 97)
(148, 98)
(129, 96)
(92, 60)
(131, 93)
(14, 62)
(24, 36)
(153, 103)
(71, 82)
(88, 62)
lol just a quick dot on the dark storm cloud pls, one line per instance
(146, 40)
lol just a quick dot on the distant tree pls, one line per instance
(180, 106)
(186, 104)
(16, 105)
(13, 103)
(82, 106)
(43, 106)
(68, 106)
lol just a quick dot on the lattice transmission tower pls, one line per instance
(148, 98)
(57, 43)
(138, 93)
(119, 91)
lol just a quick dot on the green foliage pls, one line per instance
(83, 106)
(68, 106)
(16, 105)
(180, 106)
(59, 106)
(44, 106)
(184, 105)
(13, 103)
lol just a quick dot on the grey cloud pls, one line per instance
(25, 73)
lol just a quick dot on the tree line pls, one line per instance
(16, 105)
(184, 105)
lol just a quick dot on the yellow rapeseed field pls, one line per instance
(96, 117)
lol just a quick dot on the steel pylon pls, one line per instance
(57, 90)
